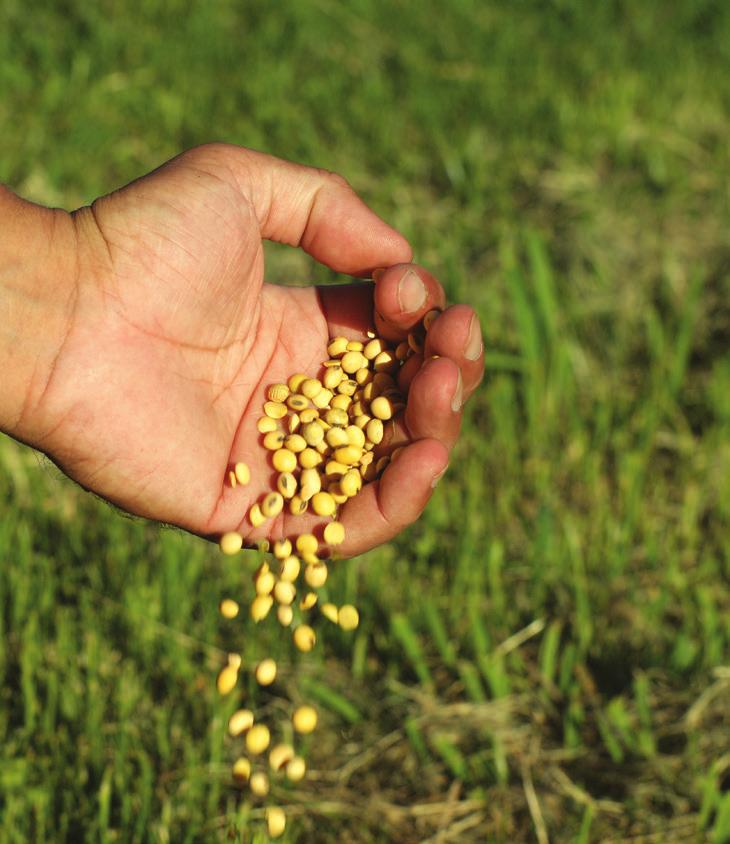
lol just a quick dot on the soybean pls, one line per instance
(272, 505)
(284, 460)
(231, 542)
(257, 739)
(275, 821)
(304, 719)
(241, 769)
(228, 608)
(259, 784)
(240, 721)
(304, 638)
(348, 617)
(266, 672)
(334, 533)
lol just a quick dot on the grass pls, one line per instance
(546, 654)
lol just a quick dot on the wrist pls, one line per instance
(37, 294)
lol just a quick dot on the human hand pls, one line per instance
(173, 338)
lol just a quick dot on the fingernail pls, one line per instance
(411, 292)
(458, 398)
(439, 476)
(474, 345)
(378, 273)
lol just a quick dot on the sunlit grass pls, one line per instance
(546, 652)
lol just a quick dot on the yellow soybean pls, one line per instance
(313, 433)
(363, 376)
(241, 769)
(332, 377)
(257, 739)
(330, 612)
(286, 484)
(296, 769)
(315, 575)
(290, 568)
(275, 409)
(280, 755)
(335, 469)
(304, 638)
(285, 592)
(255, 516)
(322, 399)
(295, 443)
(265, 425)
(336, 437)
(272, 505)
(307, 543)
(373, 348)
(242, 472)
(355, 436)
(259, 784)
(297, 402)
(309, 458)
(381, 408)
(240, 721)
(297, 505)
(284, 460)
(334, 533)
(385, 362)
(310, 387)
(308, 601)
(348, 454)
(274, 440)
(265, 583)
(228, 608)
(275, 821)
(277, 392)
(232, 479)
(231, 542)
(367, 457)
(310, 483)
(348, 617)
(285, 614)
(352, 361)
(227, 679)
(374, 431)
(351, 483)
(260, 607)
(295, 381)
(323, 504)
(337, 346)
(304, 719)
(340, 402)
(348, 387)
(282, 549)
(265, 672)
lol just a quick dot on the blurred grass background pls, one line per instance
(545, 656)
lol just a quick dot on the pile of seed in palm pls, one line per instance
(322, 434)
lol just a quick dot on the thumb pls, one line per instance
(315, 210)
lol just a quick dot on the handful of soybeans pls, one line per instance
(322, 435)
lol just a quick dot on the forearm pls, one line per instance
(37, 272)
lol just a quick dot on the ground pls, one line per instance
(545, 656)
